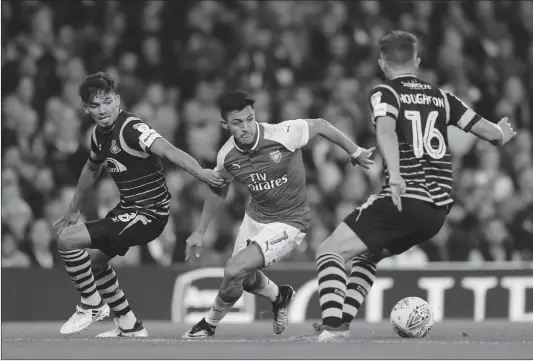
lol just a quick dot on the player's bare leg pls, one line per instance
(258, 283)
(127, 325)
(237, 269)
(72, 242)
(242, 264)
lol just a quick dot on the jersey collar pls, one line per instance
(406, 75)
(256, 143)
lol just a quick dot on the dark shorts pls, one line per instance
(121, 229)
(380, 225)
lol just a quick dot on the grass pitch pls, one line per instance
(447, 340)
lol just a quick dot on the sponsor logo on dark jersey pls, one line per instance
(114, 166)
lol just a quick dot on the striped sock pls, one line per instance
(359, 285)
(78, 265)
(109, 289)
(331, 287)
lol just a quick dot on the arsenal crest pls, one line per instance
(275, 156)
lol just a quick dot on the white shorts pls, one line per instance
(276, 240)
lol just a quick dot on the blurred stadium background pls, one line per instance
(300, 59)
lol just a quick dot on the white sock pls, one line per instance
(218, 311)
(92, 300)
(127, 321)
(270, 290)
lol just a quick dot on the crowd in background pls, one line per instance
(299, 59)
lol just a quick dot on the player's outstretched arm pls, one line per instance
(325, 129)
(214, 200)
(497, 134)
(164, 149)
(390, 150)
(463, 117)
(89, 174)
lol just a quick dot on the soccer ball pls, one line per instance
(412, 318)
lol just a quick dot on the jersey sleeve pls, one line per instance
(95, 154)
(139, 136)
(293, 134)
(460, 115)
(220, 168)
(384, 102)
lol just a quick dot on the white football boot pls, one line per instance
(83, 318)
(137, 331)
(331, 335)
(345, 328)
(325, 334)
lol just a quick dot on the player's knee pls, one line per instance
(98, 260)
(234, 271)
(97, 267)
(374, 257)
(250, 282)
(64, 240)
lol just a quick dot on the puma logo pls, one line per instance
(237, 165)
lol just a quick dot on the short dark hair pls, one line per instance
(96, 83)
(398, 47)
(235, 100)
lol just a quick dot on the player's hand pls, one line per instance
(507, 130)
(398, 187)
(72, 217)
(212, 178)
(194, 243)
(363, 159)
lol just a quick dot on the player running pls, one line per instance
(411, 119)
(130, 149)
(267, 159)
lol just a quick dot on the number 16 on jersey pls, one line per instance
(422, 138)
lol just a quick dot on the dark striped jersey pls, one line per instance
(422, 113)
(138, 174)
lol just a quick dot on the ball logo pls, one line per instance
(195, 291)
(414, 320)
